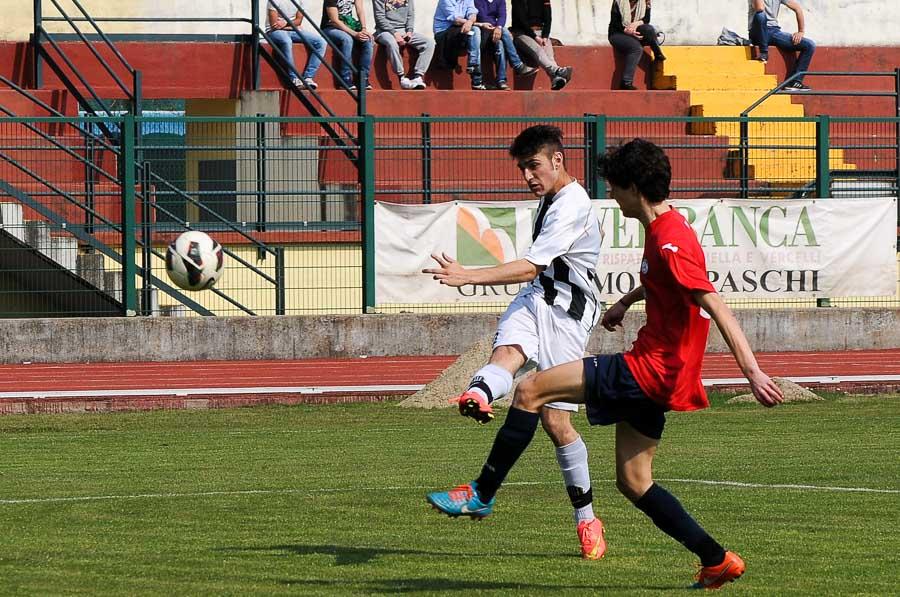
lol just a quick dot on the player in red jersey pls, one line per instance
(661, 372)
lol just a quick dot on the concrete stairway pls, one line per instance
(723, 82)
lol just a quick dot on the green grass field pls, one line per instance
(330, 500)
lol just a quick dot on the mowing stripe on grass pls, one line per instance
(738, 484)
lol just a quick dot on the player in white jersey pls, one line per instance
(550, 320)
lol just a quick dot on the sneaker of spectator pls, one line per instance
(406, 83)
(797, 86)
(418, 82)
(310, 84)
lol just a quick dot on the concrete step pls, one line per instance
(700, 81)
(500, 103)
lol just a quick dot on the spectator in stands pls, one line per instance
(283, 36)
(764, 30)
(491, 20)
(531, 33)
(348, 33)
(629, 31)
(394, 21)
(454, 30)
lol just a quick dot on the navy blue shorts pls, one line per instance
(612, 395)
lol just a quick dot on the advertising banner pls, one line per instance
(761, 249)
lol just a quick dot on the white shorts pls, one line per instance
(547, 335)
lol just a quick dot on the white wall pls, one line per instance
(576, 22)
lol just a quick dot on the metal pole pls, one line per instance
(89, 157)
(146, 242)
(260, 174)
(367, 179)
(744, 154)
(823, 149)
(426, 159)
(599, 149)
(823, 172)
(129, 267)
(38, 70)
(254, 44)
(589, 154)
(280, 299)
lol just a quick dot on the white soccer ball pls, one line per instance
(194, 261)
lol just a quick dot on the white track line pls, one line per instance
(184, 392)
(93, 498)
(377, 389)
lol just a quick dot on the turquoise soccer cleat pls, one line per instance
(461, 501)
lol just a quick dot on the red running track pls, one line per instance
(373, 371)
(36, 387)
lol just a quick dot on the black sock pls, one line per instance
(511, 441)
(669, 515)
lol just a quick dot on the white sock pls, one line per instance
(573, 463)
(491, 381)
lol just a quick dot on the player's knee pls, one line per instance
(632, 486)
(527, 396)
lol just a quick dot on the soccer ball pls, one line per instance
(194, 261)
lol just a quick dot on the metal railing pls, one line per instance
(296, 214)
(784, 87)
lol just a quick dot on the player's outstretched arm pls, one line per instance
(613, 316)
(451, 273)
(764, 389)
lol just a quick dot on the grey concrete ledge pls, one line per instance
(226, 338)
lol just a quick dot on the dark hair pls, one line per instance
(639, 163)
(535, 138)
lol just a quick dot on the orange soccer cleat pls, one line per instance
(713, 577)
(475, 406)
(590, 534)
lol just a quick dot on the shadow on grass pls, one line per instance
(345, 556)
(416, 585)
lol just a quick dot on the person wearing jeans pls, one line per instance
(629, 31)
(394, 20)
(348, 32)
(765, 31)
(491, 20)
(283, 36)
(454, 29)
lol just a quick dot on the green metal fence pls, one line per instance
(88, 210)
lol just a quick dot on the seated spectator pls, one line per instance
(394, 30)
(530, 29)
(491, 20)
(283, 36)
(454, 30)
(764, 30)
(348, 33)
(629, 31)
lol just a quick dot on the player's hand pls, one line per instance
(764, 390)
(450, 273)
(401, 39)
(613, 316)
(797, 37)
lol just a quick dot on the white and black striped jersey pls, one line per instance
(566, 241)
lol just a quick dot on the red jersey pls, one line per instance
(668, 353)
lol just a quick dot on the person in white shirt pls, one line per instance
(550, 320)
(283, 36)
